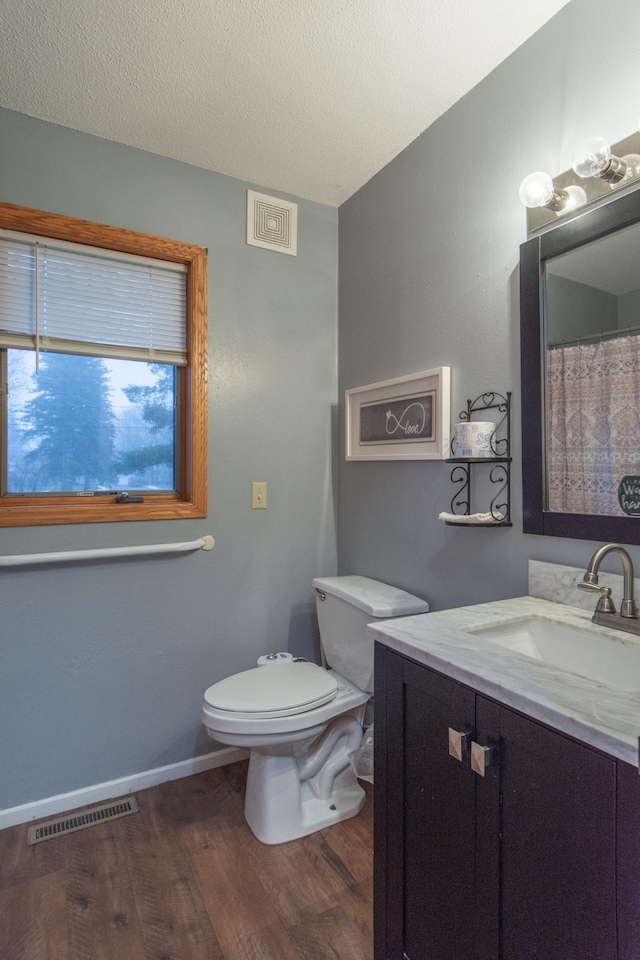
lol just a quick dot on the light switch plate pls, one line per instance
(259, 495)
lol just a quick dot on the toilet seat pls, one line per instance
(241, 729)
(270, 692)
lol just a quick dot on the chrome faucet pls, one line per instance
(605, 612)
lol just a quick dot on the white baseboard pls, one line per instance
(63, 802)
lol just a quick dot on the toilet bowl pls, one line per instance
(301, 721)
(292, 789)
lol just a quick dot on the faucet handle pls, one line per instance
(605, 604)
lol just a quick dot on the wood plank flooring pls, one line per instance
(185, 879)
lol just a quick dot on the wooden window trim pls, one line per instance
(192, 500)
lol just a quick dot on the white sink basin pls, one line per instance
(586, 653)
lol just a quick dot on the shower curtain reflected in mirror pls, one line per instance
(592, 424)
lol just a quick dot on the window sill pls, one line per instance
(15, 512)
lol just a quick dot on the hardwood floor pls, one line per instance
(185, 879)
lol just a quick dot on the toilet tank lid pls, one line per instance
(375, 598)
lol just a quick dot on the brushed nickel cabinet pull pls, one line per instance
(482, 758)
(458, 743)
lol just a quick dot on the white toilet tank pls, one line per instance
(345, 606)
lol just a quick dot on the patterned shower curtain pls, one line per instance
(593, 424)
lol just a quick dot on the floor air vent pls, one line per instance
(56, 828)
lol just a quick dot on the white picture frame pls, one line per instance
(407, 418)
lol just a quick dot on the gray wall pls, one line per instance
(629, 310)
(429, 277)
(103, 666)
(577, 310)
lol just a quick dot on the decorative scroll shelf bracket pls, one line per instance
(499, 461)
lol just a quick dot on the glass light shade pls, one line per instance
(591, 157)
(536, 190)
(577, 198)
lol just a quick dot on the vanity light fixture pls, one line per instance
(594, 158)
(598, 170)
(538, 190)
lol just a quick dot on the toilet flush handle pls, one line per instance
(321, 594)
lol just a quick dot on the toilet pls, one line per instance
(301, 721)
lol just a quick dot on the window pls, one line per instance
(103, 373)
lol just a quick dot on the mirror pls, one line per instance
(580, 355)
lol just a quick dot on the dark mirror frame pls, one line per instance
(623, 211)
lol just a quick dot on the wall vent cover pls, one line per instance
(56, 828)
(272, 223)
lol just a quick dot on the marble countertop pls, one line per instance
(590, 711)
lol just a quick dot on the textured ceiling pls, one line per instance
(309, 97)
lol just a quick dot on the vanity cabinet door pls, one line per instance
(439, 804)
(628, 861)
(557, 826)
(429, 827)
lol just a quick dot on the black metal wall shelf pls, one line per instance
(500, 471)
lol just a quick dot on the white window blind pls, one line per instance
(69, 298)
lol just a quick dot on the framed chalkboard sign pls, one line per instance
(402, 419)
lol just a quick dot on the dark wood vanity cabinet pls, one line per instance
(539, 859)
